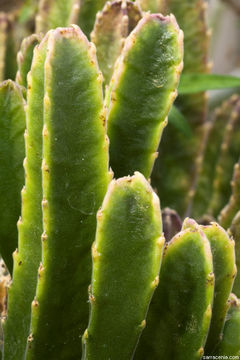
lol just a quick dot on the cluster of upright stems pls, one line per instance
(92, 274)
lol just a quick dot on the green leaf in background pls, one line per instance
(194, 83)
(179, 121)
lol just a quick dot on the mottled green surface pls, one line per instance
(112, 26)
(24, 58)
(142, 90)
(27, 259)
(230, 343)
(235, 232)
(75, 179)
(54, 13)
(126, 261)
(88, 11)
(12, 152)
(180, 311)
(224, 267)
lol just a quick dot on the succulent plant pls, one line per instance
(174, 170)
(92, 274)
(63, 153)
(157, 55)
(235, 233)
(190, 294)
(13, 125)
(24, 58)
(132, 211)
(229, 344)
(113, 24)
